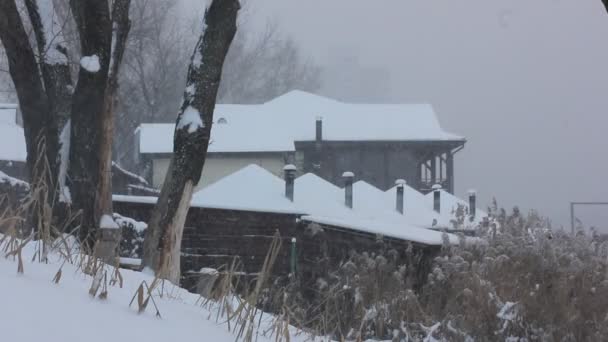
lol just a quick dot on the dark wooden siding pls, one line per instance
(214, 237)
(376, 162)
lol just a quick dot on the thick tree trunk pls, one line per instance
(191, 140)
(605, 2)
(25, 75)
(88, 109)
(55, 70)
(120, 31)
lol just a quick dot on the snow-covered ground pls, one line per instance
(34, 308)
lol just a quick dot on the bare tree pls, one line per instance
(23, 69)
(262, 66)
(157, 51)
(47, 98)
(192, 130)
(258, 67)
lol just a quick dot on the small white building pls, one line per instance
(13, 151)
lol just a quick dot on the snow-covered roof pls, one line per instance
(275, 125)
(317, 200)
(449, 205)
(368, 198)
(415, 207)
(325, 204)
(251, 188)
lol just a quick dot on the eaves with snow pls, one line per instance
(276, 126)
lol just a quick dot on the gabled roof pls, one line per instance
(255, 189)
(449, 205)
(250, 189)
(325, 204)
(416, 208)
(275, 125)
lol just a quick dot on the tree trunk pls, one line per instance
(191, 140)
(55, 70)
(88, 109)
(23, 69)
(605, 2)
(120, 31)
(108, 238)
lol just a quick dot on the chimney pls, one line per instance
(290, 176)
(472, 203)
(319, 129)
(437, 198)
(400, 190)
(348, 188)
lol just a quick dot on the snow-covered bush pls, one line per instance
(520, 282)
(133, 232)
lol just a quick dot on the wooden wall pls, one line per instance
(378, 163)
(214, 237)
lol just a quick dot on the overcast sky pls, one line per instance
(526, 81)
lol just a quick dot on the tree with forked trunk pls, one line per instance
(191, 140)
(73, 124)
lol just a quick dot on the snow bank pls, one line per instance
(36, 309)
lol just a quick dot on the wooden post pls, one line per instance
(418, 183)
(450, 172)
(572, 217)
(434, 170)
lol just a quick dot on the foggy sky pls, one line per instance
(524, 80)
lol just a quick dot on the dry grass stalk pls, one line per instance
(144, 296)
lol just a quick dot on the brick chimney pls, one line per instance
(348, 188)
(437, 198)
(290, 176)
(400, 195)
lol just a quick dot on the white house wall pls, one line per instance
(218, 167)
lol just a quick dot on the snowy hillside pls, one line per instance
(40, 310)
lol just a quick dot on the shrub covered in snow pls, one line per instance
(521, 282)
(133, 232)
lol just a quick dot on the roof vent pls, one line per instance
(348, 188)
(437, 198)
(290, 175)
(222, 121)
(400, 194)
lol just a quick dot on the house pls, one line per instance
(378, 142)
(13, 153)
(320, 225)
